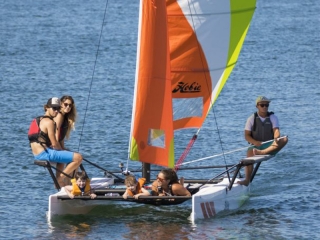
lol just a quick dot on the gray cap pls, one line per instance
(53, 102)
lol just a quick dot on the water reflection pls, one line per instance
(70, 227)
(156, 230)
(131, 221)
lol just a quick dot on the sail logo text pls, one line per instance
(187, 87)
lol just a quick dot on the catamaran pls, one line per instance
(186, 51)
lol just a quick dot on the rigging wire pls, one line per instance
(216, 155)
(93, 71)
(231, 151)
(224, 155)
(184, 154)
(195, 136)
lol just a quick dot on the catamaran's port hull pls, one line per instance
(61, 207)
(210, 200)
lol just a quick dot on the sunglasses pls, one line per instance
(264, 105)
(160, 179)
(56, 109)
(66, 105)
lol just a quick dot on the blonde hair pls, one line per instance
(130, 179)
(72, 115)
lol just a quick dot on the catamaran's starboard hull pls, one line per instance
(76, 206)
(212, 199)
(58, 206)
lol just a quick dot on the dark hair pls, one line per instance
(65, 97)
(82, 175)
(170, 174)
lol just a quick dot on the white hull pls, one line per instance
(212, 199)
(206, 203)
(75, 206)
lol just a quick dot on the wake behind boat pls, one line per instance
(185, 54)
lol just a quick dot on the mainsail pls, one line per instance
(185, 53)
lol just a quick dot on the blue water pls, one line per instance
(49, 48)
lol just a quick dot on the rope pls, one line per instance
(232, 151)
(97, 166)
(220, 174)
(89, 94)
(217, 155)
(194, 138)
(185, 153)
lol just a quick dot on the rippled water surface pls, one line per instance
(48, 48)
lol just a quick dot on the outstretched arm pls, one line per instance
(92, 194)
(68, 191)
(144, 193)
(125, 195)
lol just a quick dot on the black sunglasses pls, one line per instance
(264, 105)
(66, 105)
(56, 108)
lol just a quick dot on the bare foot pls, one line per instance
(256, 152)
(244, 182)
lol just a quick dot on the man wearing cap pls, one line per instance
(45, 145)
(260, 127)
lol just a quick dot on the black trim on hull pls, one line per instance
(154, 200)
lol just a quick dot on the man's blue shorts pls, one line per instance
(263, 146)
(59, 156)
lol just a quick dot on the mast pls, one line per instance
(146, 171)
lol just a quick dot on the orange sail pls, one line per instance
(185, 53)
(152, 113)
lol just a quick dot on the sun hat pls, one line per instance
(262, 99)
(53, 102)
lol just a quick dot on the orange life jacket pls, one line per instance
(141, 182)
(76, 190)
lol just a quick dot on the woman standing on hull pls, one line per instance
(65, 122)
